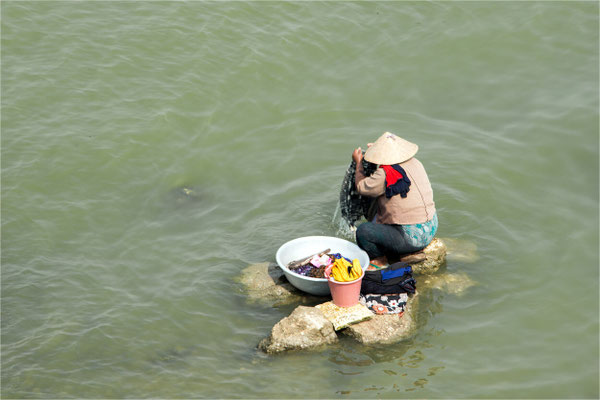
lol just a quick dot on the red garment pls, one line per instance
(391, 175)
(417, 208)
(396, 181)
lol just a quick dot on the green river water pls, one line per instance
(115, 284)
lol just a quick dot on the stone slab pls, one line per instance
(385, 329)
(342, 317)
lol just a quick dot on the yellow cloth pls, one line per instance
(343, 271)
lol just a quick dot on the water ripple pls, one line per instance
(150, 153)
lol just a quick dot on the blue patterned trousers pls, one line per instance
(395, 240)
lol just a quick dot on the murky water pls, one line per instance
(116, 282)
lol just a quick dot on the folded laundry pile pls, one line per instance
(386, 291)
(315, 267)
(384, 303)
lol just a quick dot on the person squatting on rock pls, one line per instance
(406, 219)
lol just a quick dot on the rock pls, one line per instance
(308, 328)
(461, 250)
(266, 282)
(385, 329)
(450, 283)
(305, 328)
(435, 257)
(187, 196)
(342, 317)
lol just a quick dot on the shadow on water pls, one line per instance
(400, 365)
(172, 356)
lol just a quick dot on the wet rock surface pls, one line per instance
(461, 250)
(342, 317)
(305, 328)
(429, 260)
(452, 283)
(187, 196)
(384, 329)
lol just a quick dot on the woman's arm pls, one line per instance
(371, 186)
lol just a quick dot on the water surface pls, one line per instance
(116, 284)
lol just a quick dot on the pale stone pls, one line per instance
(305, 328)
(342, 317)
(453, 283)
(435, 257)
(308, 328)
(461, 250)
(266, 282)
(385, 329)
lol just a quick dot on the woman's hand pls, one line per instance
(357, 155)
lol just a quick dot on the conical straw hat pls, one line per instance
(390, 149)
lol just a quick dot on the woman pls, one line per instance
(406, 219)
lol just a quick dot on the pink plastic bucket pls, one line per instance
(344, 294)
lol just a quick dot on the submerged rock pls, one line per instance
(450, 283)
(185, 195)
(461, 250)
(305, 328)
(388, 328)
(172, 355)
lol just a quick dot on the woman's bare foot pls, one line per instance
(380, 261)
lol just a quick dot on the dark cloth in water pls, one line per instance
(353, 206)
(396, 181)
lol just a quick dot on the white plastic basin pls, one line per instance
(303, 247)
